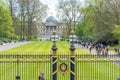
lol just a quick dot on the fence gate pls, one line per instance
(86, 67)
(63, 67)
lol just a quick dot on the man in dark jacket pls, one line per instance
(41, 76)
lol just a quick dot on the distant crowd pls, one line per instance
(99, 48)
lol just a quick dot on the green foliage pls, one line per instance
(1, 42)
(6, 29)
(116, 32)
(85, 28)
(98, 20)
(30, 16)
(79, 30)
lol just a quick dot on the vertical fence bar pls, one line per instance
(72, 68)
(54, 68)
(17, 77)
(50, 67)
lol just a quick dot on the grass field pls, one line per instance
(30, 70)
(115, 46)
(43, 47)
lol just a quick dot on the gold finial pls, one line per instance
(72, 32)
(53, 32)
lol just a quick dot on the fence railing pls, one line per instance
(85, 67)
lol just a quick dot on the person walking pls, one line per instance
(90, 48)
(107, 48)
(103, 51)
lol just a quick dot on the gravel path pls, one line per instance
(12, 45)
(116, 63)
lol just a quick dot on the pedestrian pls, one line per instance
(107, 49)
(119, 52)
(90, 48)
(115, 50)
(103, 51)
(41, 76)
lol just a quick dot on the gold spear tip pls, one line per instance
(54, 32)
(72, 32)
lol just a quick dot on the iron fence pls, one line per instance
(60, 67)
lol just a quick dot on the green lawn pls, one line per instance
(43, 47)
(30, 70)
(115, 46)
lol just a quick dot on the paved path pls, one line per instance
(11, 45)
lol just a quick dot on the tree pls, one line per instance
(6, 29)
(116, 32)
(13, 6)
(28, 16)
(99, 19)
(69, 12)
(36, 11)
(79, 30)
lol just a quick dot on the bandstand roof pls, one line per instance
(51, 19)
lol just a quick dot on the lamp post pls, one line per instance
(72, 39)
(54, 39)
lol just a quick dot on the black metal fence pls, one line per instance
(60, 67)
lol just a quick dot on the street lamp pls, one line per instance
(54, 39)
(72, 39)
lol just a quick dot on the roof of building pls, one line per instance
(51, 19)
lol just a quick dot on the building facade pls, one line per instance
(49, 25)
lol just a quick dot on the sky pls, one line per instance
(52, 6)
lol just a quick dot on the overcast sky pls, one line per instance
(51, 4)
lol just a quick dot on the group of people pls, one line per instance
(101, 49)
(98, 48)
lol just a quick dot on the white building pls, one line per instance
(51, 24)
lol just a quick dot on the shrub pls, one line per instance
(1, 43)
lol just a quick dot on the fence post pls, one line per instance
(72, 39)
(72, 63)
(54, 48)
(54, 62)
(54, 67)
(17, 77)
(72, 68)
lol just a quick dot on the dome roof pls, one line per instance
(51, 19)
